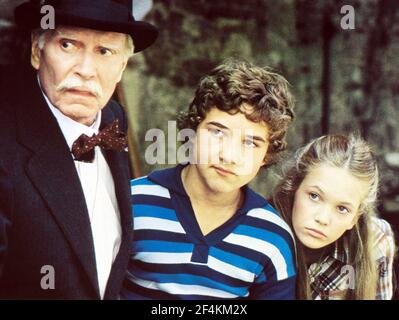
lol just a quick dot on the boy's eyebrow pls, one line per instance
(217, 124)
(256, 138)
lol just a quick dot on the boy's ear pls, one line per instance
(266, 159)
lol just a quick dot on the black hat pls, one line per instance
(106, 15)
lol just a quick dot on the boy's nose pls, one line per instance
(231, 153)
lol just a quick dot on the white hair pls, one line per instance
(41, 36)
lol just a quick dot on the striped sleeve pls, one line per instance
(277, 279)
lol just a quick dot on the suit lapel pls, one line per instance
(52, 171)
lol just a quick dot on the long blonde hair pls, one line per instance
(354, 154)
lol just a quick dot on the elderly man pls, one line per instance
(65, 221)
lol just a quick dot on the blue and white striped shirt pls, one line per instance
(250, 256)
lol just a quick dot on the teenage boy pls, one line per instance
(200, 231)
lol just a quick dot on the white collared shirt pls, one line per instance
(99, 191)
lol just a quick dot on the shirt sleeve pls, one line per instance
(384, 252)
(277, 280)
(280, 290)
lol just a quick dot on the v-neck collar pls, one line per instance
(171, 179)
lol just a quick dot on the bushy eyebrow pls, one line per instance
(256, 138)
(217, 124)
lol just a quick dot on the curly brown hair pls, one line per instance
(237, 82)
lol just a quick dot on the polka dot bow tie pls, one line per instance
(110, 138)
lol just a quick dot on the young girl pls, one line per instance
(344, 251)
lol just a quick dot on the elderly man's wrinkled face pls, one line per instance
(79, 69)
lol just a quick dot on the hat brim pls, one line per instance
(144, 34)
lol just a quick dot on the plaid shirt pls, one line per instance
(330, 279)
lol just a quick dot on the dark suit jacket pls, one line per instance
(43, 214)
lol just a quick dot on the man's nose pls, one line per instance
(86, 66)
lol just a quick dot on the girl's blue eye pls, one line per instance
(314, 196)
(343, 209)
